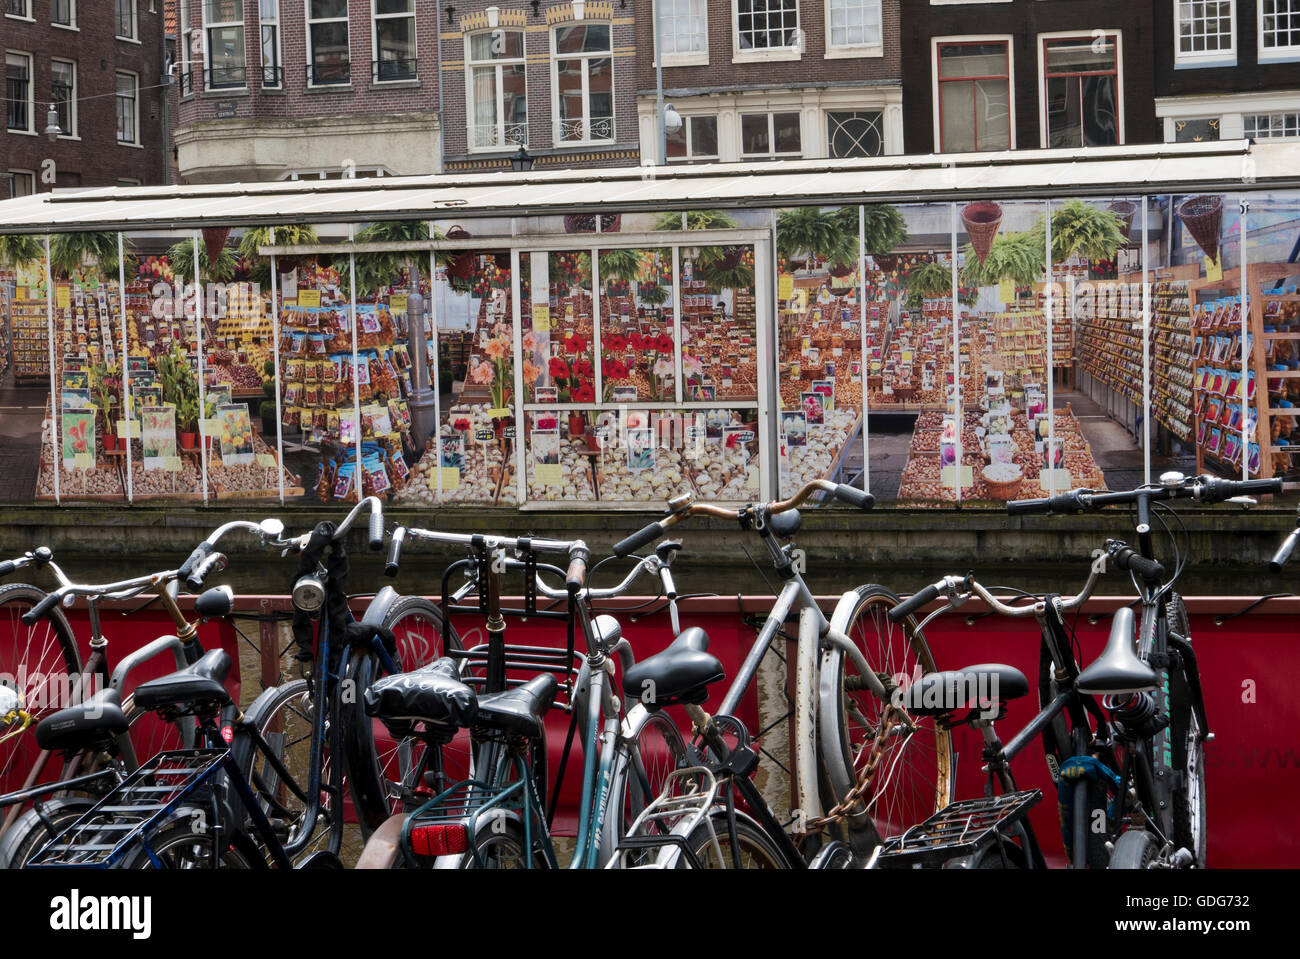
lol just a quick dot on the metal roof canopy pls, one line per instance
(1232, 166)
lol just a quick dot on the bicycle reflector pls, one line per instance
(440, 839)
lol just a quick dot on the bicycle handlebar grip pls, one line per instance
(213, 563)
(630, 544)
(199, 555)
(394, 561)
(376, 529)
(7, 567)
(40, 610)
(576, 577)
(1070, 502)
(854, 496)
(914, 602)
(1284, 551)
(1149, 569)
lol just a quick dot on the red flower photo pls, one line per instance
(575, 344)
(559, 369)
(584, 393)
(616, 343)
(461, 424)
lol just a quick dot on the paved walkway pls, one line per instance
(21, 411)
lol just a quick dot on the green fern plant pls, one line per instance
(1083, 230)
(883, 228)
(818, 234)
(96, 251)
(1020, 256)
(288, 235)
(18, 250)
(181, 257)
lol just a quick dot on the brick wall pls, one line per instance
(1248, 76)
(96, 159)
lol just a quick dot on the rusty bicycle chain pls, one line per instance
(865, 777)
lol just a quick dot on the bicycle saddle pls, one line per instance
(986, 684)
(96, 722)
(431, 694)
(1118, 669)
(521, 710)
(202, 683)
(679, 674)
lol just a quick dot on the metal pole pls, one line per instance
(661, 135)
(356, 362)
(1051, 377)
(862, 336)
(956, 356)
(437, 359)
(203, 404)
(1245, 353)
(126, 367)
(55, 399)
(275, 350)
(1146, 355)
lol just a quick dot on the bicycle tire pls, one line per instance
(839, 739)
(501, 848)
(176, 840)
(1187, 797)
(1135, 849)
(633, 788)
(47, 654)
(374, 772)
(758, 851)
(28, 834)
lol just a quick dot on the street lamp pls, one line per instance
(52, 128)
(521, 162)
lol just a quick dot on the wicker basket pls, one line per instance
(1203, 216)
(1002, 489)
(982, 219)
(1124, 210)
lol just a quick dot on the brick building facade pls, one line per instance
(764, 79)
(99, 63)
(1023, 74)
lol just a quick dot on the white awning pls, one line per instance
(1226, 167)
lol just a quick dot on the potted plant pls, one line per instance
(813, 235)
(1083, 230)
(105, 387)
(181, 257)
(284, 235)
(18, 251)
(1020, 256)
(97, 250)
(180, 387)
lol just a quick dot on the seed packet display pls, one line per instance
(827, 389)
(75, 399)
(814, 407)
(452, 452)
(1053, 453)
(735, 444)
(78, 439)
(794, 428)
(236, 435)
(1002, 448)
(545, 447)
(640, 450)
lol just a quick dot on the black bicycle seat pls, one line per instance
(1118, 669)
(431, 694)
(986, 684)
(521, 710)
(96, 722)
(679, 674)
(203, 683)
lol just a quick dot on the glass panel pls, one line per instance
(328, 9)
(754, 133)
(719, 346)
(972, 60)
(558, 346)
(638, 351)
(704, 136)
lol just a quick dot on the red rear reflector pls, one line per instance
(440, 839)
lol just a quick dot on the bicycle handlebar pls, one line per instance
(1283, 554)
(914, 602)
(1203, 489)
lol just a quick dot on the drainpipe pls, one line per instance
(442, 133)
(166, 91)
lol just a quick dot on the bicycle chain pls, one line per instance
(844, 807)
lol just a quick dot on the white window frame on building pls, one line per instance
(772, 153)
(270, 39)
(672, 15)
(28, 177)
(792, 49)
(1044, 39)
(70, 131)
(688, 134)
(31, 93)
(71, 7)
(1231, 110)
(126, 13)
(508, 135)
(238, 80)
(312, 22)
(1285, 121)
(24, 13)
(557, 123)
(335, 173)
(1278, 53)
(135, 108)
(410, 72)
(828, 117)
(1220, 56)
(187, 49)
(1007, 40)
(849, 48)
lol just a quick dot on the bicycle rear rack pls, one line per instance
(101, 837)
(670, 819)
(961, 828)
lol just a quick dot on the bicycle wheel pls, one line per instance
(501, 848)
(1135, 849)
(28, 834)
(913, 776)
(639, 779)
(1186, 751)
(376, 763)
(42, 664)
(756, 850)
(179, 845)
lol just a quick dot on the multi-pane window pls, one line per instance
(224, 22)
(974, 93)
(498, 101)
(1279, 27)
(1204, 29)
(22, 183)
(271, 54)
(18, 8)
(696, 141)
(128, 108)
(125, 19)
(853, 23)
(63, 88)
(394, 40)
(187, 46)
(766, 24)
(683, 27)
(18, 92)
(582, 68)
(1271, 126)
(329, 60)
(1081, 91)
(855, 133)
(766, 136)
(63, 12)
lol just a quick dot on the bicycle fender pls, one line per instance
(807, 795)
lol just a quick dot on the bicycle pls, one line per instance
(847, 669)
(1131, 725)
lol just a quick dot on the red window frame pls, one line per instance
(940, 47)
(1114, 40)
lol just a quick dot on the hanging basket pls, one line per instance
(214, 241)
(1203, 216)
(586, 222)
(885, 262)
(839, 270)
(982, 219)
(1125, 210)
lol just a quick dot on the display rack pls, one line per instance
(1110, 335)
(1173, 358)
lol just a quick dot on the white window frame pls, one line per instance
(135, 21)
(587, 139)
(26, 19)
(310, 22)
(262, 24)
(375, 17)
(771, 54)
(691, 155)
(26, 173)
(844, 51)
(72, 18)
(74, 132)
(207, 29)
(31, 94)
(1206, 58)
(694, 58)
(470, 66)
(1287, 54)
(936, 42)
(827, 112)
(136, 119)
(1118, 36)
(771, 154)
(186, 30)
(1295, 111)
